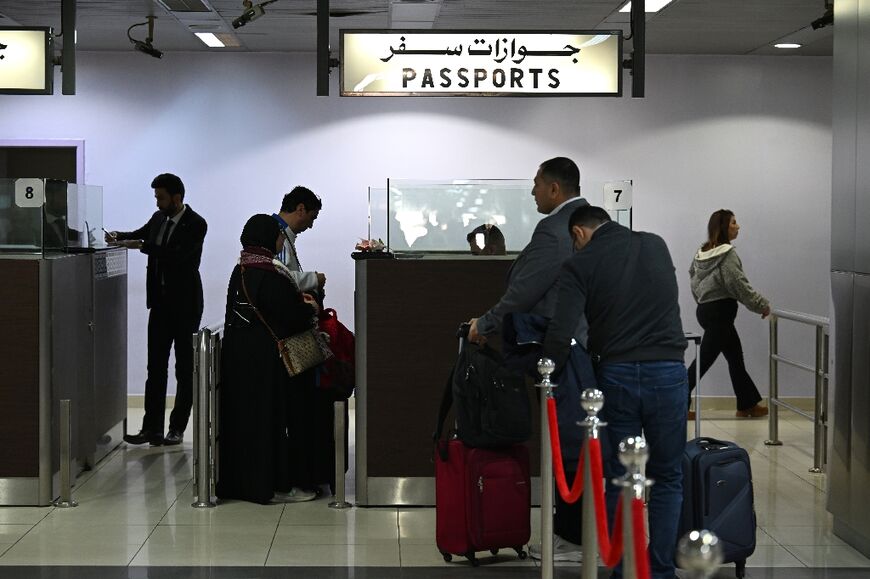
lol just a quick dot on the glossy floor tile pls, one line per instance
(135, 521)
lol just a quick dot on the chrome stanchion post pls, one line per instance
(697, 388)
(633, 454)
(546, 367)
(824, 404)
(65, 500)
(201, 448)
(338, 436)
(773, 407)
(592, 401)
(699, 553)
(819, 408)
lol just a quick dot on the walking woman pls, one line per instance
(718, 283)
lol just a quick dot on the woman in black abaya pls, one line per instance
(264, 442)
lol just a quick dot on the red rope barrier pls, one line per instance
(641, 557)
(609, 546)
(568, 495)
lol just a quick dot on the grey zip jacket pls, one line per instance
(717, 274)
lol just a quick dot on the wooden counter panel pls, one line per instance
(19, 368)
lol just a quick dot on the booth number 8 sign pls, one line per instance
(29, 192)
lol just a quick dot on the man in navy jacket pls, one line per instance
(172, 239)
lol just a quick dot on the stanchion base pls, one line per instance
(65, 504)
(339, 505)
(817, 470)
(773, 443)
(203, 505)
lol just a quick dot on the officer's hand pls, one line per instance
(310, 299)
(111, 236)
(765, 312)
(131, 243)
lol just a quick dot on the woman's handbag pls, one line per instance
(299, 352)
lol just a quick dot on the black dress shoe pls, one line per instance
(173, 437)
(152, 438)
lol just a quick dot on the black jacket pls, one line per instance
(178, 261)
(645, 325)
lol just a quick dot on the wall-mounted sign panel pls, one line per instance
(469, 63)
(25, 60)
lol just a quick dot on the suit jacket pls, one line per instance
(531, 287)
(177, 262)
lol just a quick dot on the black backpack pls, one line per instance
(492, 403)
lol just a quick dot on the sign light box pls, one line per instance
(25, 60)
(469, 63)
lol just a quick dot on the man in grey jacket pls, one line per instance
(531, 284)
(531, 288)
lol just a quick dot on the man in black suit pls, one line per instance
(172, 239)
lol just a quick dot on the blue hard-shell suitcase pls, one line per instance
(717, 496)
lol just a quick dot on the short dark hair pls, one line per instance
(302, 195)
(564, 171)
(588, 216)
(172, 184)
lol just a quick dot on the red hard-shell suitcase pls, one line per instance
(482, 499)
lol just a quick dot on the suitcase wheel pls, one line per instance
(494, 551)
(521, 553)
(447, 557)
(472, 559)
(741, 569)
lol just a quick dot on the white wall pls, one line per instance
(752, 134)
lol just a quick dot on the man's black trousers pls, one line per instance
(168, 325)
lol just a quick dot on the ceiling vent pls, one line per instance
(185, 5)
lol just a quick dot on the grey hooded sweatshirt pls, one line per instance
(717, 274)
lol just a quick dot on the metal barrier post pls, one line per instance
(65, 500)
(633, 454)
(773, 401)
(203, 345)
(819, 414)
(546, 367)
(700, 553)
(592, 401)
(338, 436)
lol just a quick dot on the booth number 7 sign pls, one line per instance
(617, 195)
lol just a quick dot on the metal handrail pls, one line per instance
(206, 374)
(820, 372)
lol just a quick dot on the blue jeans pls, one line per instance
(648, 398)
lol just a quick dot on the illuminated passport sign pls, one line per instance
(466, 63)
(25, 61)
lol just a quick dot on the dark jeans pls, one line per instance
(648, 398)
(168, 325)
(720, 336)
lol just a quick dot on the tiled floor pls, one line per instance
(135, 521)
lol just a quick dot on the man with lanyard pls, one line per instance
(299, 209)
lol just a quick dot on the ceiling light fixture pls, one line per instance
(145, 46)
(210, 40)
(251, 13)
(787, 45)
(651, 5)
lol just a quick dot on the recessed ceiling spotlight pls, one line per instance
(651, 5)
(787, 45)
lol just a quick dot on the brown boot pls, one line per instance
(756, 411)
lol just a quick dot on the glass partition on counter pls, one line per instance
(469, 216)
(47, 215)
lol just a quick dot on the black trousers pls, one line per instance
(567, 518)
(720, 336)
(168, 325)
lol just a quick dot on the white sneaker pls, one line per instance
(296, 495)
(563, 550)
